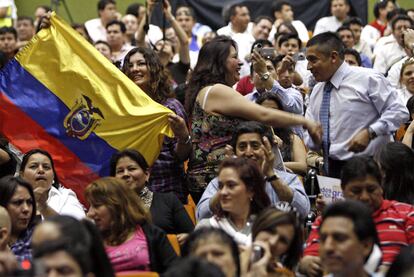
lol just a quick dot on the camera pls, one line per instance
(257, 253)
(299, 57)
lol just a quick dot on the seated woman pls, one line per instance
(144, 68)
(280, 234)
(167, 212)
(242, 195)
(131, 242)
(291, 146)
(217, 247)
(38, 169)
(16, 195)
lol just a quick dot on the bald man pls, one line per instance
(5, 228)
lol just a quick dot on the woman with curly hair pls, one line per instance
(144, 68)
(215, 109)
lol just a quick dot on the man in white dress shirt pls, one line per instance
(240, 30)
(339, 10)
(393, 51)
(357, 106)
(283, 12)
(97, 27)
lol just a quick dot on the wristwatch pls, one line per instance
(372, 133)
(187, 141)
(272, 178)
(265, 76)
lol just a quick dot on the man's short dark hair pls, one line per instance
(344, 28)
(8, 30)
(328, 42)
(231, 11)
(117, 22)
(359, 167)
(358, 213)
(28, 18)
(103, 3)
(285, 37)
(191, 11)
(401, 17)
(353, 21)
(263, 17)
(250, 127)
(346, 2)
(134, 9)
(278, 5)
(353, 52)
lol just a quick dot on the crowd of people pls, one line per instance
(255, 105)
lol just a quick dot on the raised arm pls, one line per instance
(140, 35)
(226, 101)
(184, 53)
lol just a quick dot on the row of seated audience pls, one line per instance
(239, 121)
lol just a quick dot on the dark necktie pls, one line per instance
(324, 118)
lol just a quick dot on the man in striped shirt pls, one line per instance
(361, 181)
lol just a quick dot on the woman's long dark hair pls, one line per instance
(160, 81)
(210, 68)
(251, 175)
(272, 217)
(284, 134)
(396, 161)
(30, 153)
(203, 235)
(8, 186)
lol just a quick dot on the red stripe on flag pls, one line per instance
(26, 134)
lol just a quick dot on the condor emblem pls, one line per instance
(81, 120)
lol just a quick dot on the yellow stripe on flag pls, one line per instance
(70, 67)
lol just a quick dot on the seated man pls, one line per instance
(348, 236)
(361, 181)
(251, 140)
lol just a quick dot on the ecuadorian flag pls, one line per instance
(62, 95)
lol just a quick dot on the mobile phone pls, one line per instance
(257, 253)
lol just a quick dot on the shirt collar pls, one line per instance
(340, 74)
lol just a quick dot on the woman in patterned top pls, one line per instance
(215, 109)
(144, 68)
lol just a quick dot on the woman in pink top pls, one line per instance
(131, 242)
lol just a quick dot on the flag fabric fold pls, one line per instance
(60, 94)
